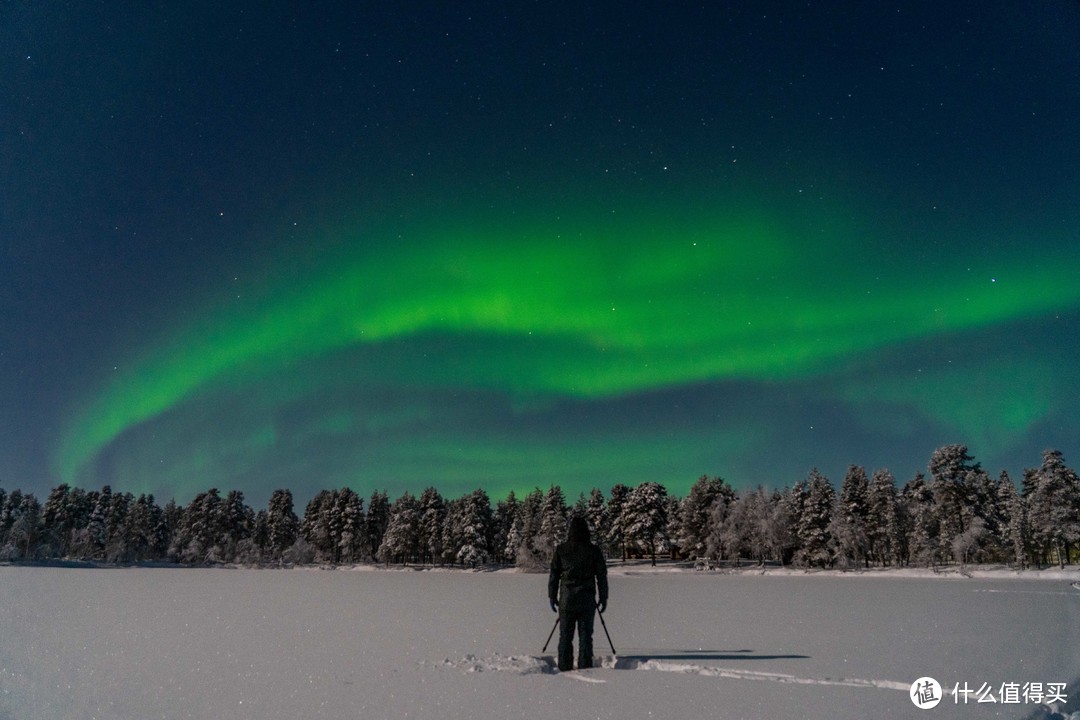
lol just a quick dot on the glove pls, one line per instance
(554, 606)
(602, 606)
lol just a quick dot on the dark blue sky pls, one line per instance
(277, 244)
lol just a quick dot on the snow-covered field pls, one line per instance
(193, 643)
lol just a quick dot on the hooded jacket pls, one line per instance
(579, 568)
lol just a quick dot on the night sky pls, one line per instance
(509, 244)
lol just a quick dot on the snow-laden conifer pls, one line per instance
(596, 513)
(350, 538)
(283, 527)
(850, 522)
(779, 533)
(1053, 506)
(744, 528)
(952, 474)
(616, 537)
(922, 539)
(526, 541)
(20, 521)
(696, 511)
(432, 519)
(816, 543)
(885, 533)
(1019, 530)
(378, 517)
(644, 517)
(475, 529)
(506, 520)
(552, 521)
(401, 542)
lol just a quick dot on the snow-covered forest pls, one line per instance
(956, 513)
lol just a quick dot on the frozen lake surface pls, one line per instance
(148, 643)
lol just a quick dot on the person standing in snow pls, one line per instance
(578, 576)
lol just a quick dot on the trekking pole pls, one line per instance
(604, 625)
(550, 635)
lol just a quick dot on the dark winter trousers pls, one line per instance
(569, 619)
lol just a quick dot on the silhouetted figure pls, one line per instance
(578, 575)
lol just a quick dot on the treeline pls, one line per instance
(957, 513)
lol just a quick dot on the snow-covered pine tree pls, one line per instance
(716, 530)
(82, 506)
(1019, 533)
(172, 518)
(645, 517)
(206, 517)
(25, 534)
(432, 519)
(922, 538)
(476, 529)
(350, 511)
(851, 519)
(57, 525)
(234, 526)
(552, 522)
(779, 536)
(9, 513)
(743, 529)
(133, 529)
(673, 532)
(77, 509)
(96, 533)
(696, 513)
(401, 542)
(997, 494)
(282, 525)
(1004, 492)
(506, 517)
(1053, 504)
(378, 517)
(215, 515)
(116, 549)
(815, 541)
(596, 513)
(616, 535)
(143, 529)
(514, 538)
(451, 530)
(526, 554)
(884, 530)
(20, 526)
(983, 539)
(580, 505)
(66, 517)
(196, 532)
(950, 467)
(317, 527)
(260, 535)
(3, 509)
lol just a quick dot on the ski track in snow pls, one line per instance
(545, 665)
(736, 674)
(1030, 592)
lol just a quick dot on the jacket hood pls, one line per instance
(579, 530)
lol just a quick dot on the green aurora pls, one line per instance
(262, 245)
(582, 308)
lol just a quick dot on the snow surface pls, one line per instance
(230, 643)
